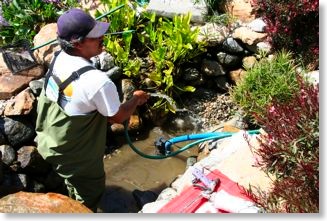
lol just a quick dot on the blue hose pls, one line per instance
(212, 135)
(188, 137)
(198, 137)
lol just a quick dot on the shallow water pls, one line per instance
(127, 171)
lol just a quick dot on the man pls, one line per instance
(75, 105)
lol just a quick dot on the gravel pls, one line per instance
(210, 107)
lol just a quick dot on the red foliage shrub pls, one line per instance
(292, 25)
(290, 151)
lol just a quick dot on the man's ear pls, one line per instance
(78, 45)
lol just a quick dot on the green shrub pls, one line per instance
(119, 46)
(171, 43)
(268, 80)
(290, 151)
(161, 43)
(26, 17)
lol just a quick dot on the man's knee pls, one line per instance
(86, 191)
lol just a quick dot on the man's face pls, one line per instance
(92, 46)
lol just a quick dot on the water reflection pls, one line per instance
(127, 171)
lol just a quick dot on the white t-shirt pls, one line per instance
(92, 91)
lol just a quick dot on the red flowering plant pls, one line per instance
(290, 151)
(292, 25)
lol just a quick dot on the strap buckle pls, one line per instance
(75, 75)
(208, 185)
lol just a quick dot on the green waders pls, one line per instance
(75, 146)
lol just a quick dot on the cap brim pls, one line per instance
(98, 30)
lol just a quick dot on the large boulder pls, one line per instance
(44, 54)
(24, 202)
(13, 83)
(240, 9)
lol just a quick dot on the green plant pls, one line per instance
(171, 43)
(120, 49)
(268, 80)
(290, 151)
(120, 45)
(122, 19)
(26, 17)
(163, 43)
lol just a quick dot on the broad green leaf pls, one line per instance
(16, 4)
(185, 88)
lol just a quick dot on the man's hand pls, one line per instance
(141, 96)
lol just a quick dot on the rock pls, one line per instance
(206, 147)
(190, 74)
(213, 34)
(44, 54)
(212, 68)
(17, 130)
(171, 8)
(167, 193)
(229, 128)
(2, 138)
(241, 9)
(207, 108)
(134, 124)
(5, 190)
(23, 202)
(222, 83)
(53, 182)
(31, 161)
(8, 154)
(228, 60)
(12, 84)
(237, 75)
(247, 36)
(190, 161)
(232, 46)
(144, 197)
(249, 62)
(114, 73)
(312, 77)
(36, 86)
(92, 6)
(257, 25)
(127, 88)
(22, 104)
(1, 168)
(245, 172)
(103, 61)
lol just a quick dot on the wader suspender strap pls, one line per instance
(75, 75)
(49, 72)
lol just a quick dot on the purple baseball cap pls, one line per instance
(75, 23)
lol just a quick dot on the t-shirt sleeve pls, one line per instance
(107, 100)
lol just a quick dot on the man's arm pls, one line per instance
(127, 108)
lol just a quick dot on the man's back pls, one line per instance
(92, 91)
